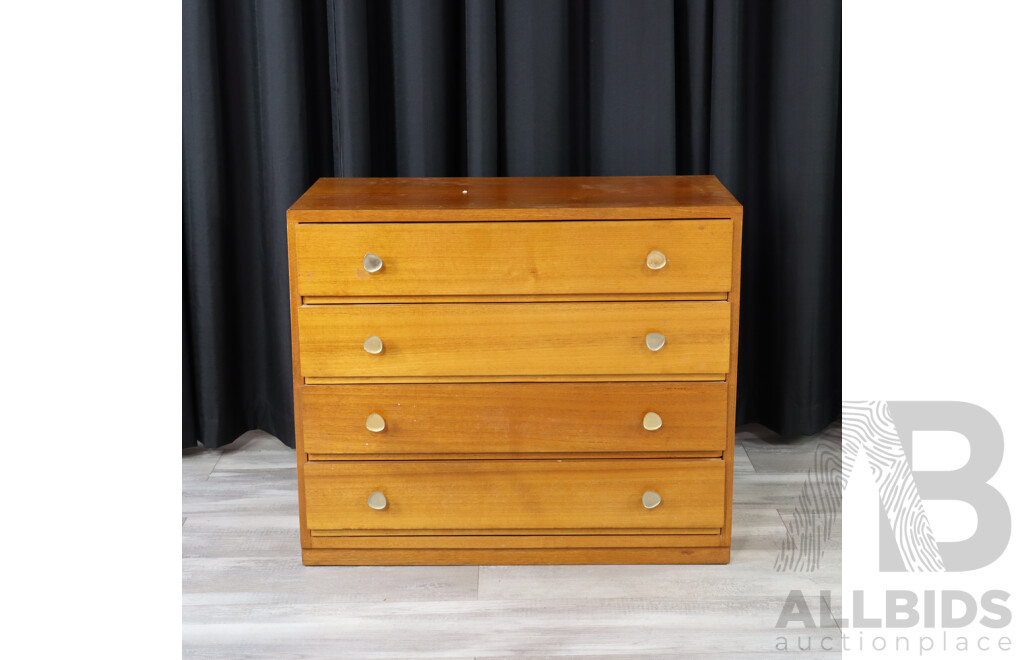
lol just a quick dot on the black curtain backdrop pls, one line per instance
(277, 94)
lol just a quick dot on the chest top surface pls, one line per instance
(512, 198)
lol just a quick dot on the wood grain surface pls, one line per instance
(497, 418)
(514, 375)
(512, 556)
(515, 494)
(510, 339)
(512, 199)
(501, 258)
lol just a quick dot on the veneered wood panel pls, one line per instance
(416, 456)
(521, 310)
(500, 258)
(300, 452)
(511, 556)
(509, 339)
(554, 297)
(512, 199)
(508, 418)
(500, 539)
(537, 378)
(734, 348)
(532, 494)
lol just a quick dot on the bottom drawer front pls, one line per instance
(516, 495)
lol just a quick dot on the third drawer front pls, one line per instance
(515, 339)
(496, 418)
(526, 495)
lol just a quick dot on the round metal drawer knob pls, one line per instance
(651, 499)
(656, 260)
(379, 502)
(655, 341)
(652, 421)
(375, 423)
(372, 263)
(373, 345)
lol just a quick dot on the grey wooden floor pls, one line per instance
(245, 593)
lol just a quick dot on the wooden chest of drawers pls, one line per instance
(515, 370)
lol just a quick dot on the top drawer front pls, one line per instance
(502, 258)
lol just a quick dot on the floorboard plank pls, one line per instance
(245, 593)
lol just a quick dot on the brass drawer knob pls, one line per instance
(656, 260)
(376, 423)
(379, 502)
(651, 499)
(372, 263)
(373, 345)
(655, 341)
(652, 421)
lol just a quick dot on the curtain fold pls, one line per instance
(256, 129)
(279, 94)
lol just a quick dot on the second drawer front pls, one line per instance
(516, 495)
(495, 418)
(514, 339)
